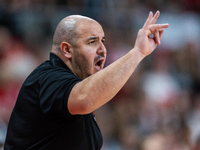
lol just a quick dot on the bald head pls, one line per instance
(66, 31)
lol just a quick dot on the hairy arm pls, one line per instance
(96, 90)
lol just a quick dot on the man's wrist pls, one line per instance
(136, 52)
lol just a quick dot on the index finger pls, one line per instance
(155, 27)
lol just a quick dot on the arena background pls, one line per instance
(158, 108)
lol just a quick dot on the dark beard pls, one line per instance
(81, 66)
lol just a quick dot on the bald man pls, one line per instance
(54, 108)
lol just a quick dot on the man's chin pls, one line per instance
(85, 76)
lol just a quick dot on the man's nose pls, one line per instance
(102, 50)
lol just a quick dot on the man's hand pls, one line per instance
(146, 44)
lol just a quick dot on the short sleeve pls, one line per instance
(54, 92)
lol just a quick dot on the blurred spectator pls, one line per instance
(197, 144)
(194, 120)
(159, 85)
(155, 141)
(192, 5)
(15, 64)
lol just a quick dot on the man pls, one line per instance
(55, 104)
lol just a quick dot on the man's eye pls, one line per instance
(91, 42)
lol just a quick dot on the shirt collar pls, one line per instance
(56, 61)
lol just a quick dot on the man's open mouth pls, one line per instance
(99, 64)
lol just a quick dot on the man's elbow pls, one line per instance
(80, 106)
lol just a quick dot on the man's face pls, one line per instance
(89, 52)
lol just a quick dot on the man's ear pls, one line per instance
(66, 49)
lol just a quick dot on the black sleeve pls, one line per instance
(54, 92)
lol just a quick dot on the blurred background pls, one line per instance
(158, 108)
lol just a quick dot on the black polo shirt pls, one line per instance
(40, 119)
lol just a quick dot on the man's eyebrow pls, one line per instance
(94, 38)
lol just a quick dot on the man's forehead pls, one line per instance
(85, 26)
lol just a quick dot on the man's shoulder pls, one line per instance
(47, 69)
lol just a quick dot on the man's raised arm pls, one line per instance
(99, 88)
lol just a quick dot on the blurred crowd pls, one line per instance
(159, 106)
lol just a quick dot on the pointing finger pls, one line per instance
(155, 27)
